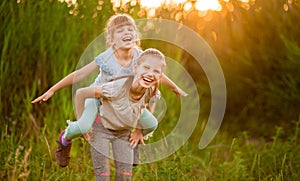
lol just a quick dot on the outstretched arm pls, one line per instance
(73, 77)
(168, 82)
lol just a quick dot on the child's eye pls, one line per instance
(157, 71)
(146, 67)
(119, 30)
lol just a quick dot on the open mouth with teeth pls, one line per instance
(146, 79)
(127, 39)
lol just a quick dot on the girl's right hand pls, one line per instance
(136, 137)
(43, 98)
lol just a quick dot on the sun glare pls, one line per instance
(204, 5)
(187, 6)
(201, 5)
(151, 6)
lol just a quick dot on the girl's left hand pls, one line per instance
(89, 136)
(136, 136)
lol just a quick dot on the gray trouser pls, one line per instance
(100, 149)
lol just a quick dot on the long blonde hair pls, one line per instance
(115, 22)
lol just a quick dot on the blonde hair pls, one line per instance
(115, 22)
(152, 52)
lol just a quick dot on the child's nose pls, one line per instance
(127, 31)
(151, 73)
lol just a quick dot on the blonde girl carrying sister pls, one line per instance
(118, 60)
(123, 102)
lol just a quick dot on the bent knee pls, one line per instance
(154, 127)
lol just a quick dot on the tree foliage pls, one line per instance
(257, 45)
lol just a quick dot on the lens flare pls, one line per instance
(151, 4)
(204, 5)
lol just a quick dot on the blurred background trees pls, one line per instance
(256, 42)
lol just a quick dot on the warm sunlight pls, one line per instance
(201, 5)
(150, 7)
(151, 4)
(204, 5)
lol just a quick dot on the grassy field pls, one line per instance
(228, 158)
(258, 49)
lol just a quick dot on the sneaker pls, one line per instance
(62, 153)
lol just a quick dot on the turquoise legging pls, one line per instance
(147, 121)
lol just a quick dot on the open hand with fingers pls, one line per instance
(44, 97)
(136, 136)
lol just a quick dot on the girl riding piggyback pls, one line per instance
(123, 50)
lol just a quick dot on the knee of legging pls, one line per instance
(127, 174)
(103, 174)
(154, 125)
(86, 122)
(124, 173)
(149, 130)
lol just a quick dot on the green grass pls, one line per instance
(258, 49)
(239, 158)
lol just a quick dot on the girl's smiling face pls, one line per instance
(124, 37)
(148, 73)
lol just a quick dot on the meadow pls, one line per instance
(258, 47)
